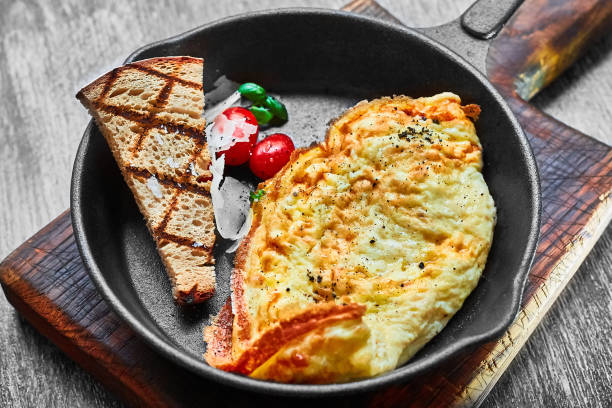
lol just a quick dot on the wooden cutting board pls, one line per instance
(46, 282)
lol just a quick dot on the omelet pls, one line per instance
(362, 248)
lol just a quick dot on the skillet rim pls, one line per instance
(199, 366)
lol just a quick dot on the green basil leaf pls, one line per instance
(277, 108)
(262, 114)
(253, 92)
(257, 195)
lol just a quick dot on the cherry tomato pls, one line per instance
(270, 155)
(240, 152)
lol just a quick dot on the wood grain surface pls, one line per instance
(47, 53)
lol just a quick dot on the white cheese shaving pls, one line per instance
(232, 248)
(220, 107)
(155, 187)
(231, 203)
(231, 216)
(244, 230)
(158, 139)
(216, 168)
(172, 163)
(247, 129)
(222, 134)
(230, 197)
(192, 170)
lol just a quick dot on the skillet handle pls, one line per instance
(485, 18)
(469, 34)
(542, 39)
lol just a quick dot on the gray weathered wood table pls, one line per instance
(49, 49)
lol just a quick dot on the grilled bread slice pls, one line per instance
(150, 113)
(362, 248)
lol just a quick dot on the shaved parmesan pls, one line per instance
(232, 215)
(217, 165)
(233, 247)
(222, 134)
(226, 103)
(230, 201)
(247, 129)
(244, 230)
(192, 170)
(155, 187)
(230, 197)
(172, 163)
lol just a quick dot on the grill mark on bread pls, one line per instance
(164, 94)
(163, 235)
(141, 137)
(165, 76)
(160, 231)
(147, 120)
(164, 223)
(169, 181)
(114, 74)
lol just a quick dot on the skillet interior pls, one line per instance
(320, 62)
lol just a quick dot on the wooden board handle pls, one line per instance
(543, 38)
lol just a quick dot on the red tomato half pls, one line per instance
(270, 155)
(240, 152)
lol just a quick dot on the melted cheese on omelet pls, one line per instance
(390, 212)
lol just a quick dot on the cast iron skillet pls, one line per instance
(319, 62)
